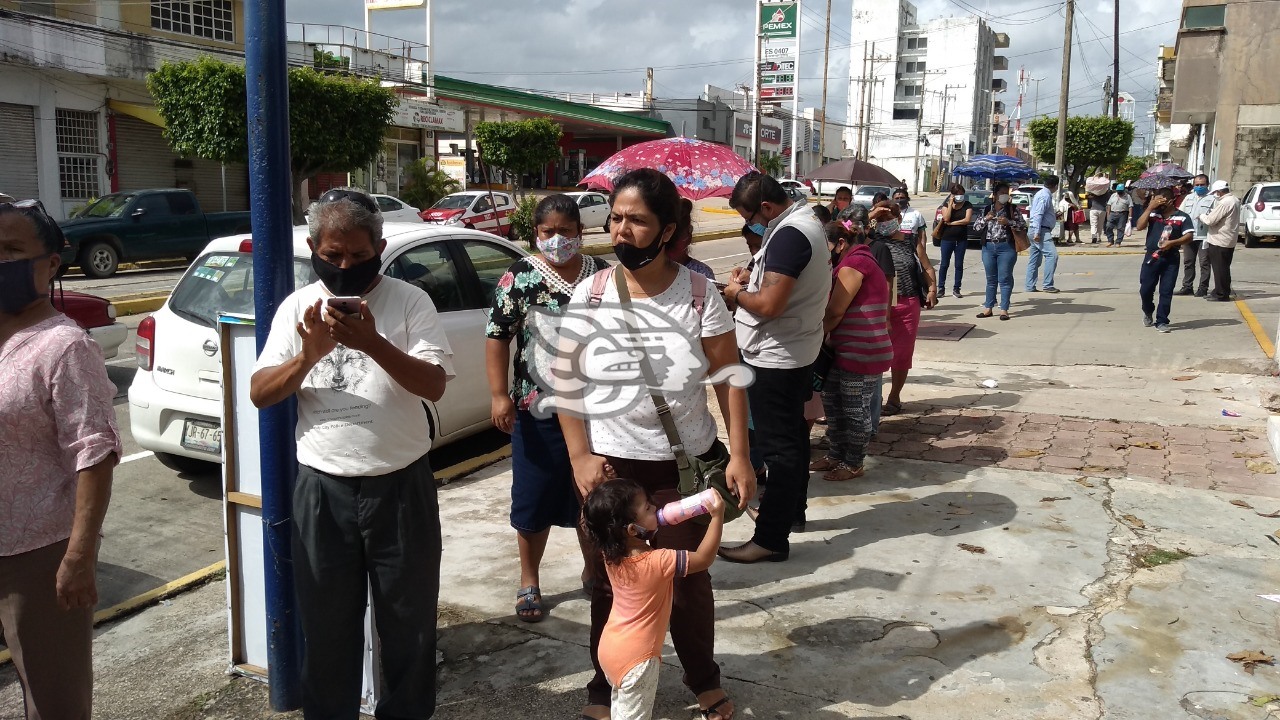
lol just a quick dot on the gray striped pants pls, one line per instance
(847, 399)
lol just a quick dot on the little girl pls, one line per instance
(619, 521)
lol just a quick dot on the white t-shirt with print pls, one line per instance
(912, 221)
(675, 351)
(354, 420)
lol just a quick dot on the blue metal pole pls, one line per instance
(270, 188)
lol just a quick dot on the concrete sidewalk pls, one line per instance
(999, 571)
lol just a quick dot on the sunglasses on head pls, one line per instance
(354, 196)
(26, 205)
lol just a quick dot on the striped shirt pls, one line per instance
(861, 340)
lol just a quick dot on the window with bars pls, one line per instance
(78, 154)
(211, 19)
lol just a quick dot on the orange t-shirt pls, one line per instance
(642, 590)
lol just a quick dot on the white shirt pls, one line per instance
(354, 420)
(912, 221)
(1222, 222)
(672, 334)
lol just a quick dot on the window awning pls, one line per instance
(145, 113)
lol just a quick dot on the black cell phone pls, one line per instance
(348, 304)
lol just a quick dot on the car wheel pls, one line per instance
(99, 260)
(186, 465)
(1251, 240)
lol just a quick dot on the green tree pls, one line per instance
(1132, 167)
(522, 227)
(336, 123)
(770, 164)
(519, 147)
(1092, 143)
(426, 183)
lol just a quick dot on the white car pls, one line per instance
(395, 210)
(473, 209)
(1260, 213)
(594, 208)
(796, 189)
(865, 194)
(175, 400)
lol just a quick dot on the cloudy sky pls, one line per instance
(604, 45)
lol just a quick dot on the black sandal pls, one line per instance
(986, 314)
(715, 708)
(529, 602)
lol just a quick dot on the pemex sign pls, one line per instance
(778, 20)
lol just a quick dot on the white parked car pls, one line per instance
(473, 209)
(396, 210)
(1260, 213)
(796, 188)
(176, 397)
(864, 194)
(594, 208)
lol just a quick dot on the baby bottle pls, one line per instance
(686, 508)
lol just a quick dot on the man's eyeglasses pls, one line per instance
(354, 196)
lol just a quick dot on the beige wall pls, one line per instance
(134, 16)
(1221, 72)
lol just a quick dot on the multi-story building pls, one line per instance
(924, 83)
(1166, 137)
(1225, 53)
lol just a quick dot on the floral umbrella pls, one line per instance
(1167, 169)
(699, 169)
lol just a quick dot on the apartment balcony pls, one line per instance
(1000, 62)
(335, 47)
(999, 85)
(85, 49)
(1167, 67)
(1002, 40)
(997, 107)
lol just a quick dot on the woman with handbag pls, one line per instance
(1000, 227)
(917, 288)
(857, 327)
(1068, 206)
(690, 335)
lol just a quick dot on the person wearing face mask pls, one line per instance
(999, 256)
(1118, 216)
(1196, 203)
(957, 213)
(841, 201)
(678, 248)
(606, 442)
(1167, 228)
(1040, 224)
(1223, 224)
(780, 302)
(542, 490)
(59, 445)
(364, 504)
(916, 288)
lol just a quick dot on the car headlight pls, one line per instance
(453, 220)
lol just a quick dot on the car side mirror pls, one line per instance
(139, 213)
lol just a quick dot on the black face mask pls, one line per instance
(17, 285)
(633, 258)
(354, 280)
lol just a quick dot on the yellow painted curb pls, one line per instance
(138, 602)
(466, 467)
(720, 211)
(1258, 333)
(134, 306)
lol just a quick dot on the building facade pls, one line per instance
(1225, 51)
(926, 99)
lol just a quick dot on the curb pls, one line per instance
(135, 306)
(146, 265)
(466, 467)
(138, 602)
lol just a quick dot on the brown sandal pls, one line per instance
(826, 463)
(842, 472)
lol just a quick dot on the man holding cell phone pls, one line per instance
(361, 351)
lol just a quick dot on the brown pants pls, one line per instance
(51, 647)
(693, 614)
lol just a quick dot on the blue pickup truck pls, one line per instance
(143, 225)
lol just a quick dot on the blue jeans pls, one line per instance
(1042, 247)
(949, 248)
(999, 259)
(1162, 272)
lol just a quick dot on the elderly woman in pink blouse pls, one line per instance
(58, 447)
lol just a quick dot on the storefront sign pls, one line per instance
(419, 114)
(778, 20)
(769, 134)
(455, 167)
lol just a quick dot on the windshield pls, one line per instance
(454, 202)
(978, 198)
(1269, 193)
(223, 283)
(107, 206)
(1020, 199)
(871, 190)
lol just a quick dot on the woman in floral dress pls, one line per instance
(542, 489)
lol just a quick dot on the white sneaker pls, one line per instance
(1164, 328)
(1147, 321)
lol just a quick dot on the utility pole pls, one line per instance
(648, 89)
(826, 59)
(942, 130)
(754, 99)
(869, 84)
(1035, 108)
(915, 183)
(1060, 147)
(862, 106)
(1115, 63)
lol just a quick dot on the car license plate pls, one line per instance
(202, 435)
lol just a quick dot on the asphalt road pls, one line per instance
(163, 525)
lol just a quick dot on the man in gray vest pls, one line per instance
(1198, 203)
(780, 301)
